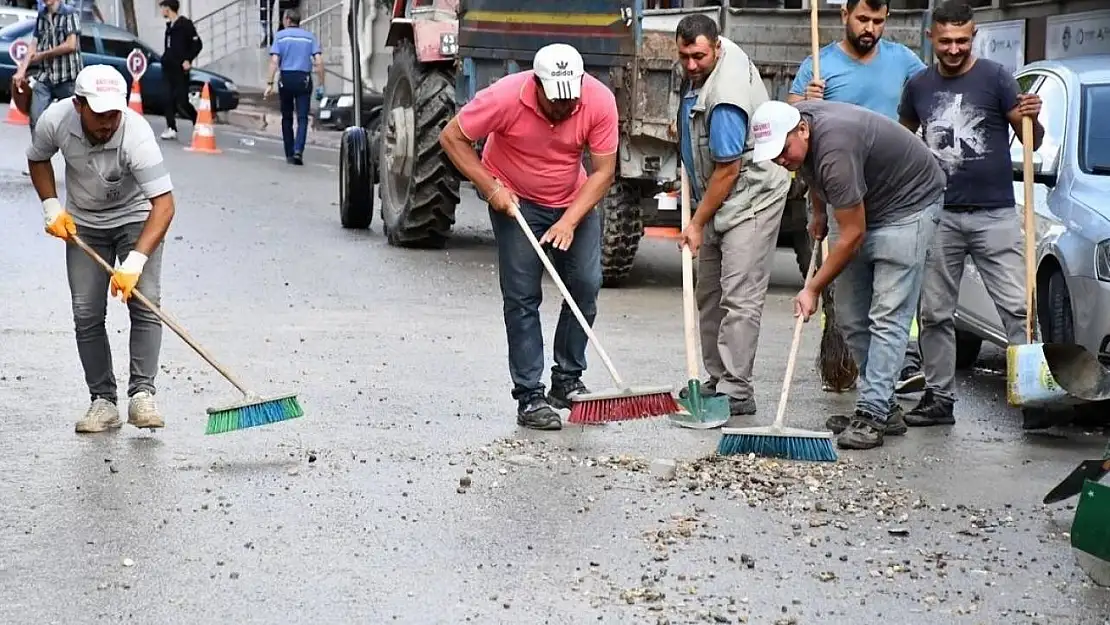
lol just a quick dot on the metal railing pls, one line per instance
(228, 29)
(328, 21)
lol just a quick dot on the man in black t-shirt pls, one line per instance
(966, 107)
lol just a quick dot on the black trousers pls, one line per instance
(177, 81)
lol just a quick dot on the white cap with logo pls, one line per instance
(103, 87)
(560, 69)
(771, 122)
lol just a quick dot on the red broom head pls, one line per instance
(623, 408)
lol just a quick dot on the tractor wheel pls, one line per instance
(418, 191)
(622, 227)
(356, 179)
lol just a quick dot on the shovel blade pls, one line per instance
(1077, 371)
(701, 412)
(1029, 380)
(1090, 532)
(1072, 485)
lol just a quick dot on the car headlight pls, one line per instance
(345, 101)
(448, 44)
(1102, 260)
(231, 86)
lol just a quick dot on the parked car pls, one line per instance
(337, 109)
(106, 44)
(1072, 195)
(11, 15)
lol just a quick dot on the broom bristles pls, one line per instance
(788, 444)
(610, 408)
(834, 359)
(249, 415)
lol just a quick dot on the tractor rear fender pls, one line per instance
(434, 40)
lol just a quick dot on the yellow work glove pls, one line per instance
(58, 222)
(127, 275)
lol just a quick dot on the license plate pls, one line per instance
(325, 114)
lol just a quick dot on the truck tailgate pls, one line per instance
(508, 29)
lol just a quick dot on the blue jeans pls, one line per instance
(521, 276)
(295, 90)
(44, 94)
(876, 299)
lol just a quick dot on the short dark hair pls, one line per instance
(697, 25)
(874, 5)
(172, 5)
(294, 16)
(953, 12)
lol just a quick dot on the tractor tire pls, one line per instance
(356, 179)
(622, 227)
(418, 203)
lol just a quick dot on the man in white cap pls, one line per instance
(119, 201)
(537, 124)
(884, 188)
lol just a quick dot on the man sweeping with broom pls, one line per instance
(883, 187)
(119, 201)
(734, 230)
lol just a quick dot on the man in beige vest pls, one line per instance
(735, 227)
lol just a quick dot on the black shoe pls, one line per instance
(741, 407)
(562, 393)
(297, 159)
(537, 414)
(931, 410)
(865, 431)
(895, 422)
(708, 389)
(912, 380)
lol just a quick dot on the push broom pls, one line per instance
(778, 441)
(253, 410)
(622, 403)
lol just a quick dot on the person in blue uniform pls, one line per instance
(296, 52)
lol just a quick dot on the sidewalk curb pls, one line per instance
(268, 123)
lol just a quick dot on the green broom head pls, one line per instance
(622, 405)
(253, 412)
(783, 443)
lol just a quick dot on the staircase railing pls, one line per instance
(232, 27)
(328, 21)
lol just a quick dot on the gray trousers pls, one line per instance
(88, 288)
(734, 271)
(993, 239)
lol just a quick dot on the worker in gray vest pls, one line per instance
(734, 229)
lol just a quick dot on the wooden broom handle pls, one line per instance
(780, 416)
(688, 309)
(161, 315)
(815, 38)
(1030, 226)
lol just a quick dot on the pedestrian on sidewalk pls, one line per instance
(537, 124)
(734, 230)
(120, 202)
(296, 52)
(884, 188)
(867, 70)
(966, 107)
(57, 55)
(183, 46)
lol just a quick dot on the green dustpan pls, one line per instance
(1090, 532)
(701, 412)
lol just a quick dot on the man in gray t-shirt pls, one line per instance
(884, 187)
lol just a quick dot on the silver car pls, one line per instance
(1072, 194)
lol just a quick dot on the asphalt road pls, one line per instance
(357, 512)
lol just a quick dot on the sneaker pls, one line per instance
(169, 134)
(741, 407)
(142, 413)
(865, 431)
(536, 413)
(912, 380)
(562, 393)
(101, 415)
(895, 423)
(298, 159)
(931, 410)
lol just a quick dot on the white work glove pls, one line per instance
(57, 221)
(127, 275)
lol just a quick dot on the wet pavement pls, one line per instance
(407, 493)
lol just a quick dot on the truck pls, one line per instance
(445, 51)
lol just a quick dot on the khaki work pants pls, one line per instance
(734, 271)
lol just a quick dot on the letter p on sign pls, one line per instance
(136, 63)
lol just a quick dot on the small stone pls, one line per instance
(664, 469)
(128, 562)
(464, 481)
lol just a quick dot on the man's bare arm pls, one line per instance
(910, 124)
(852, 225)
(460, 150)
(793, 98)
(68, 46)
(721, 183)
(42, 178)
(157, 224)
(1014, 117)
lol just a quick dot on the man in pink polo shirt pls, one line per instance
(536, 124)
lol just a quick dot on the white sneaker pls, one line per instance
(101, 415)
(142, 413)
(169, 133)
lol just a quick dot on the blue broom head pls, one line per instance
(807, 448)
(251, 414)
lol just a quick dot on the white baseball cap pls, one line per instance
(772, 121)
(103, 87)
(560, 69)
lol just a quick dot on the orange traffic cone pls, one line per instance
(16, 117)
(204, 135)
(135, 101)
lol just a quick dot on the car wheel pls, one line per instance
(1056, 321)
(967, 349)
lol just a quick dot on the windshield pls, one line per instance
(18, 29)
(1094, 130)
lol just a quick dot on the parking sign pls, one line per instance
(136, 63)
(18, 50)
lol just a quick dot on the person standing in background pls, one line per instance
(866, 70)
(183, 45)
(56, 52)
(295, 53)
